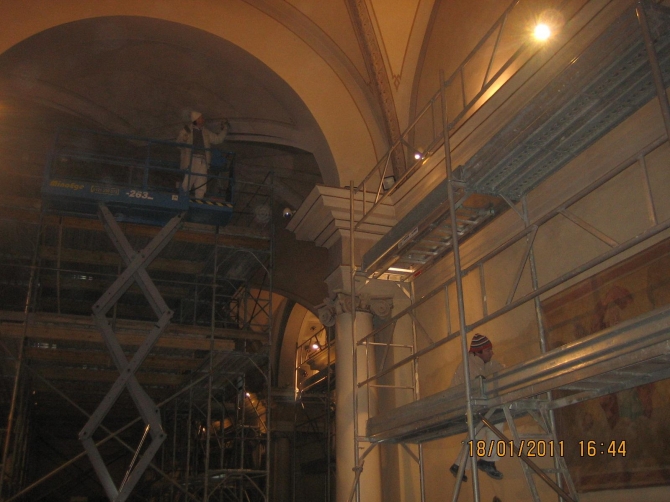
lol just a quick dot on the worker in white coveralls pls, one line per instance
(199, 156)
(480, 357)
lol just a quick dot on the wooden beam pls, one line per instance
(108, 376)
(131, 333)
(99, 285)
(99, 358)
(60, 334)
(113, 259)
(27, 211)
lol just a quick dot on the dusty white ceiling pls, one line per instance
(143, 76)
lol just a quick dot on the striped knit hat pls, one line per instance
(480, 343)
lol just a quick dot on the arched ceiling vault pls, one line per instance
(140, 66)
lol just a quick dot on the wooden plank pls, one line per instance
(108, 376)
(98, 358)
(68, 334)
(28, 211)
(86, 323)
(113, 259)
(99, 285)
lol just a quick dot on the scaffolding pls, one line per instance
(314, 417)
(201, 383)
(524, 152)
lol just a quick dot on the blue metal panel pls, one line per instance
(139, 179)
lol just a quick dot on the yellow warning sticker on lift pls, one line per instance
(212, 203)
(104, 190)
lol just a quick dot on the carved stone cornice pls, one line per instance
(323, 217)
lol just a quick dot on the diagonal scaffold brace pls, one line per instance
(135, 272)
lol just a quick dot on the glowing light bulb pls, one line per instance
(315, 346)
(542, 32)
(418, 156)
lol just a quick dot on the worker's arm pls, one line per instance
(215, 139)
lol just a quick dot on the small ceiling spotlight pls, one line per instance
(418, 156)
(247, 394)
(388, 182)
(315, 346)
(542, 32)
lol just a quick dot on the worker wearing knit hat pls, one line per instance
(480, 343)
(480, 364)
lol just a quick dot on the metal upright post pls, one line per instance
(211, 370)
(189, 432)
(174, 446)
(417, 394)
(352, 278)
(268, 372)
(328, 435)
(459, 285)
(19, 359)
(653, 63)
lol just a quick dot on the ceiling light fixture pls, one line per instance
(542, 32)
(394, 269)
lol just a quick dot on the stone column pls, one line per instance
(339, 312)
(283, 468)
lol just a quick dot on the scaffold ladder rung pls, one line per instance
(564, 483)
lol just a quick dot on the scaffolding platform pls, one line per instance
(138, 179)
(633, 353)
(599, 88)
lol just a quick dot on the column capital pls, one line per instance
(341, 304)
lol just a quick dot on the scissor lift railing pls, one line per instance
(139, 179)
(471, 401)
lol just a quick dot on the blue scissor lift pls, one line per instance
(130, 179)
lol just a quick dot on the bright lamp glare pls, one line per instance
(315, 346)
(417, 155)
(542, 32)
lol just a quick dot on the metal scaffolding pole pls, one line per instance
(463, 327)
(352, 277)
(417, 393)
(19, 359)
(656, 73)
(208, 430)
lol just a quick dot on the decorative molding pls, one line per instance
(341, 304)
(374, 61)
(324, 217)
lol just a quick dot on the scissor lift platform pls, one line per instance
(138, 179)
(130, 179)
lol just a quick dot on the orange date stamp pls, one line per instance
(523, 448)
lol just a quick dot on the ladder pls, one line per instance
(136, 263)
(563, 485)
